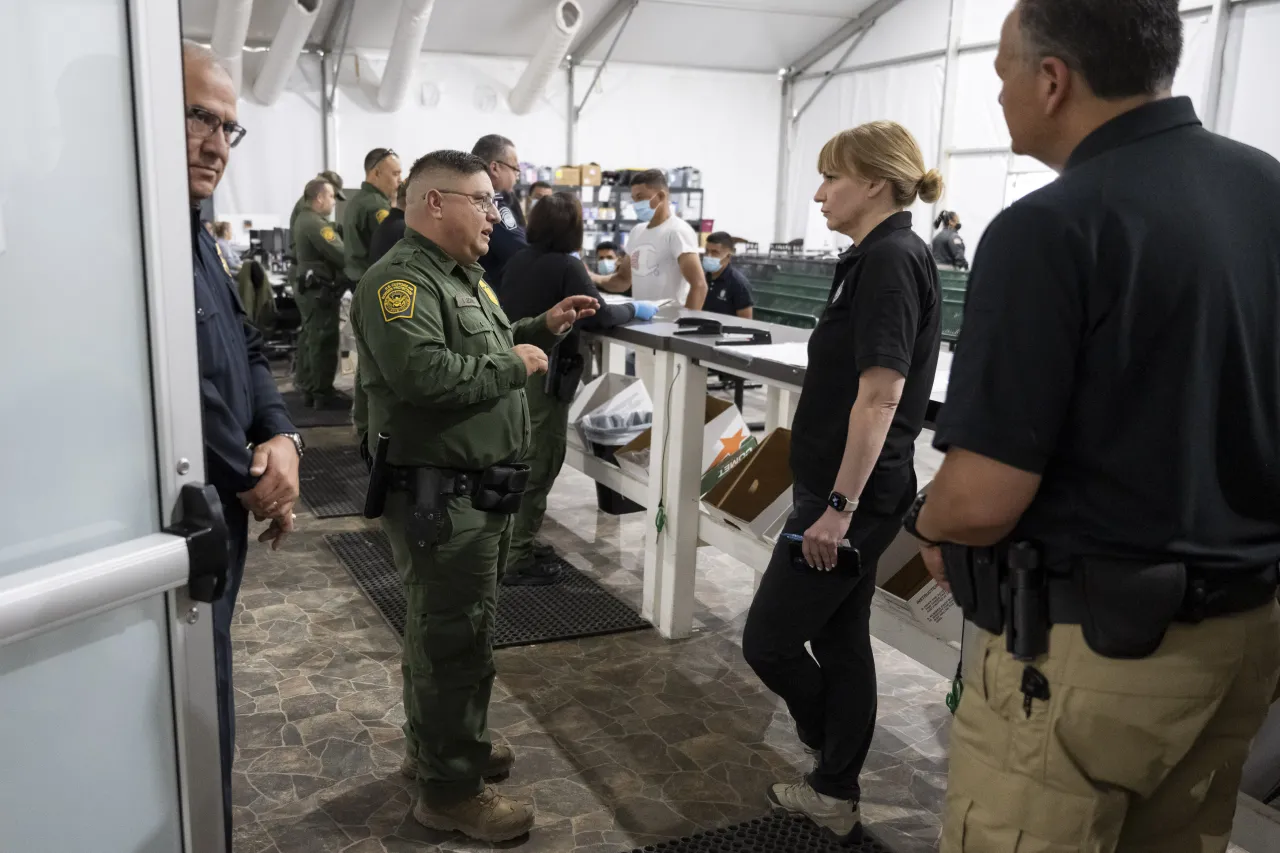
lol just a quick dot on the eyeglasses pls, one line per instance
(484, 202)
(515, 169)
(202, 123)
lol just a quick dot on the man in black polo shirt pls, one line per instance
(728, 291)
(1115, 404)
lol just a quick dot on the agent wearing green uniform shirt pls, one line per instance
(301, 204)
(318, 287)
(368, 208)
(443, 371)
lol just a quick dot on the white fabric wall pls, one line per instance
(1248, 105)
(472, 102)
(910, 94)
(724, 123)
(282, 150)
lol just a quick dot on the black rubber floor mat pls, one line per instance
(574, 607)
(308, 418)
(778, 833)
(334, 481)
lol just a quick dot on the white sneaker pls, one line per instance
(839, 817)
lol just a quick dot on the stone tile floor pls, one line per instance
(621, 741)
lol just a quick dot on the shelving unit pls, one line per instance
(604, 208)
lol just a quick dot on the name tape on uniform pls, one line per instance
(397, 299)
(465, 301)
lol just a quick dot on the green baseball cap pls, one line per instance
(335, 179)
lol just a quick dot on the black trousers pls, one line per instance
(833, 698)
(223, 609)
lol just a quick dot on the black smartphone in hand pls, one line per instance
(848, 558)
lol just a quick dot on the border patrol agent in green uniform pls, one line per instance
(368, 207)
(444, 377)
(335, 180)
(318, 287)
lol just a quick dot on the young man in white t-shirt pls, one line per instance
(662, 251)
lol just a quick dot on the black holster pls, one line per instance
(499, 489)
(564, 373)
(976, 577)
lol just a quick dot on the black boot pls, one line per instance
(530, 573)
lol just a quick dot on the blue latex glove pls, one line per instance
(646, 310)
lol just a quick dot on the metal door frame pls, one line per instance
(60, 593)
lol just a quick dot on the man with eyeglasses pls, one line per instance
(503, 166)
(367, 209)
(444, 373)
(251, 449)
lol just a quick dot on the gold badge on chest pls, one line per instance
(488, 291)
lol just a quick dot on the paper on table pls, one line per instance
(793, 354)
(619, 299)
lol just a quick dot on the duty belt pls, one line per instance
(1210, 593)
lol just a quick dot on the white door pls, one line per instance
(108, 725)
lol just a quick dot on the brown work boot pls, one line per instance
(488, 816)
(498, 768)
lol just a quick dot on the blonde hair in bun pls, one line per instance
(886, 151)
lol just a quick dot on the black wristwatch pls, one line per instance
(840, 503)
(913, 517)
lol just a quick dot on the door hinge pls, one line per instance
(205, 530)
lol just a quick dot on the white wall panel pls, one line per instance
(979, 119)
(1197, 54)
(466, 99)
(282, 150)
(911, 28)
(1248, 110)
(910, 94)
(724, 123)
(983, 20)
(976, 192)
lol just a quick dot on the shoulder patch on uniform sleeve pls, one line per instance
(488, 291)
(328, 234)
(957, 242)
(397, 299)
(509, 219)
(465, 301)
(381, 215)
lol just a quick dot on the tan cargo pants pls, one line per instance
(1124, 756)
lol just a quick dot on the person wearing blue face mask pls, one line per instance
(607, 258)
(663, 249)
(728, 291)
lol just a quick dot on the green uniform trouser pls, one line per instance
(1134, 756)
(549, 423)
(451, 590)
(317, 361)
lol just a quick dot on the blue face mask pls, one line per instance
(711, 264)
(607, 267)
(644, 210)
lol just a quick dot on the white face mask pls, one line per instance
(607, 266)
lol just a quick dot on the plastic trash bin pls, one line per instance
(608, 431)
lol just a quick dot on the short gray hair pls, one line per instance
(195, 54)
(313, 189)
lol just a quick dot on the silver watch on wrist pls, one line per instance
(298, 443)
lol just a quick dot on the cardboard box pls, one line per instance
(568, 176)
(756, 496)
(590, 174)
(902, 573)
(599, 392)
(726, 442)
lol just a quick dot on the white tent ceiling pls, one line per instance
(746, 35)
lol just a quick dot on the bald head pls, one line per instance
(211, 101)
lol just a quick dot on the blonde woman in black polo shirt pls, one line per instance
(871, 364)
